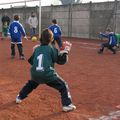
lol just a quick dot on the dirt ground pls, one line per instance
(94, 82)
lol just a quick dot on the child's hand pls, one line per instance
(66, 47)
(26, 37)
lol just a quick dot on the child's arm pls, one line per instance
(62, 58)
(60, 31)
(63, 55)
(30, 60)
(22, 30)
(104, 35)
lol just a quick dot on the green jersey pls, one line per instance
(43, 60)
(118, 37)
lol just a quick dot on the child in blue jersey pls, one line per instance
(111, 43)
(42, 63)
(16, 31)
(56, 32)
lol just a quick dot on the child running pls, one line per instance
(43, 72)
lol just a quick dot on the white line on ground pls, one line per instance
(86, 47)
(93, 48)
(85, 43)
(115, 115)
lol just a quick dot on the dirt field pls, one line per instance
(94, 82)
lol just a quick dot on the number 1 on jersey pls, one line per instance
(39, 67)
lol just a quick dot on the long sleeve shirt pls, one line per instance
(16, 31)
(33, 22)
(112, 40)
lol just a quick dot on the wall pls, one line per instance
(80, 20)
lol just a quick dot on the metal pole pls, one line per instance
(39, 18)
(69, 22)
(115, 11)
(25, 3)
(71, 19)
(71, 10)
(25, 14)
(90, 20)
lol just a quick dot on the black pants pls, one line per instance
(110, 47)
(20, 49)
(32, 32)
(59, 42)
(58, 84)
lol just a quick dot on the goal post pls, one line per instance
(39, 18)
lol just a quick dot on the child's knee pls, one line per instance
(32, 84)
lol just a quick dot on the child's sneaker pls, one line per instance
(114, 52)
(69, 108)
(18, 100)
(12, 56)
(22, 58)
(100, 51)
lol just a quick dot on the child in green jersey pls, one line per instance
(43, 72)
(118, 39)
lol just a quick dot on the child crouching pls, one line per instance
(43, 72)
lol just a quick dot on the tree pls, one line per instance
(66, 2)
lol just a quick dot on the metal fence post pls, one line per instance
(114, 19)
(90, 10)
(70, 20)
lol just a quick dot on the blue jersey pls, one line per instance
(112, 40)
(56, 30)
(16, 31)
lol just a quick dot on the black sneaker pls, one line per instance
(100, 52)
(114, 52)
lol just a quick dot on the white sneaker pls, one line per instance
(18, 100)
(22, 58)
(69, 108)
